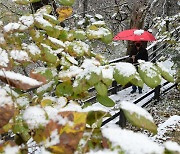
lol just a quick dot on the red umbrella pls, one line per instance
(134, 35)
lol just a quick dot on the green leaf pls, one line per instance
(164, 72)
(123, 75)
(95, 117)
(107, 38)
(101, 89)
(48, 56)
(80, 34)
(21, 129)
(93, 79)
(66, 2)
(149, 74)
(105, 100)
(22, 2)
(137, 81)
(81, 86)
(138, 116)
(64, 89)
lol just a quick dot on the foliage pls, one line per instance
(45, 105)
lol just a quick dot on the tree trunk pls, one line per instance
(85, 7)
(136, 21)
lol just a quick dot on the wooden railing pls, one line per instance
(155, 52)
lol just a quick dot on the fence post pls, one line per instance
(157, 93)
(114, 85)
(122, 119)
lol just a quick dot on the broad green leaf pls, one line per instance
(51, 18)
(137, 81)
(55, 32)
(22, 2)
(20, 128)
(107, 38)
(94, 118)
(93, 78)
(45, 9)
(42, 74)
(138, 116)
(164, 72)
(63, 35)
(37, 35)
(80, 34)
(66, 2)
(149, 74)
(101, 89)
(80, 85)
(120, 78)
(47, 55)
(64, 89)
(105, 100)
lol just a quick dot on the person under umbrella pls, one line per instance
(138, 52)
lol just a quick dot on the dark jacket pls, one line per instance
(139, 54)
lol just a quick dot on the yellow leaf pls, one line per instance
(79, 120)
(64, 12)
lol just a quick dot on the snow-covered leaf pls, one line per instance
(138, 116)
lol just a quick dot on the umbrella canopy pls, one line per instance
(134, 35)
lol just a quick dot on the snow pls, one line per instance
(39, 19)
(33, 49)
(19, 55)
(2, 40)
(19, 77)
(71, 72)
(149, 68)
(63, 120)
(172, 146)
(130, 142)
(132, 108)
(11, 150)
(22, 101)
(126, 69)
(56, 41)
(107, 73)
(51, 111)
(104, 151)
(160, 64)
(4, 59)
(35, 116)
(5, 98)
(81, 22)
(172, 122)
(89, 63)
(99, 16)
(53, 139)
(139, 32)
(70, 58)
(27, 20)
(11, 27)
(100, 32)
(99, 23)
